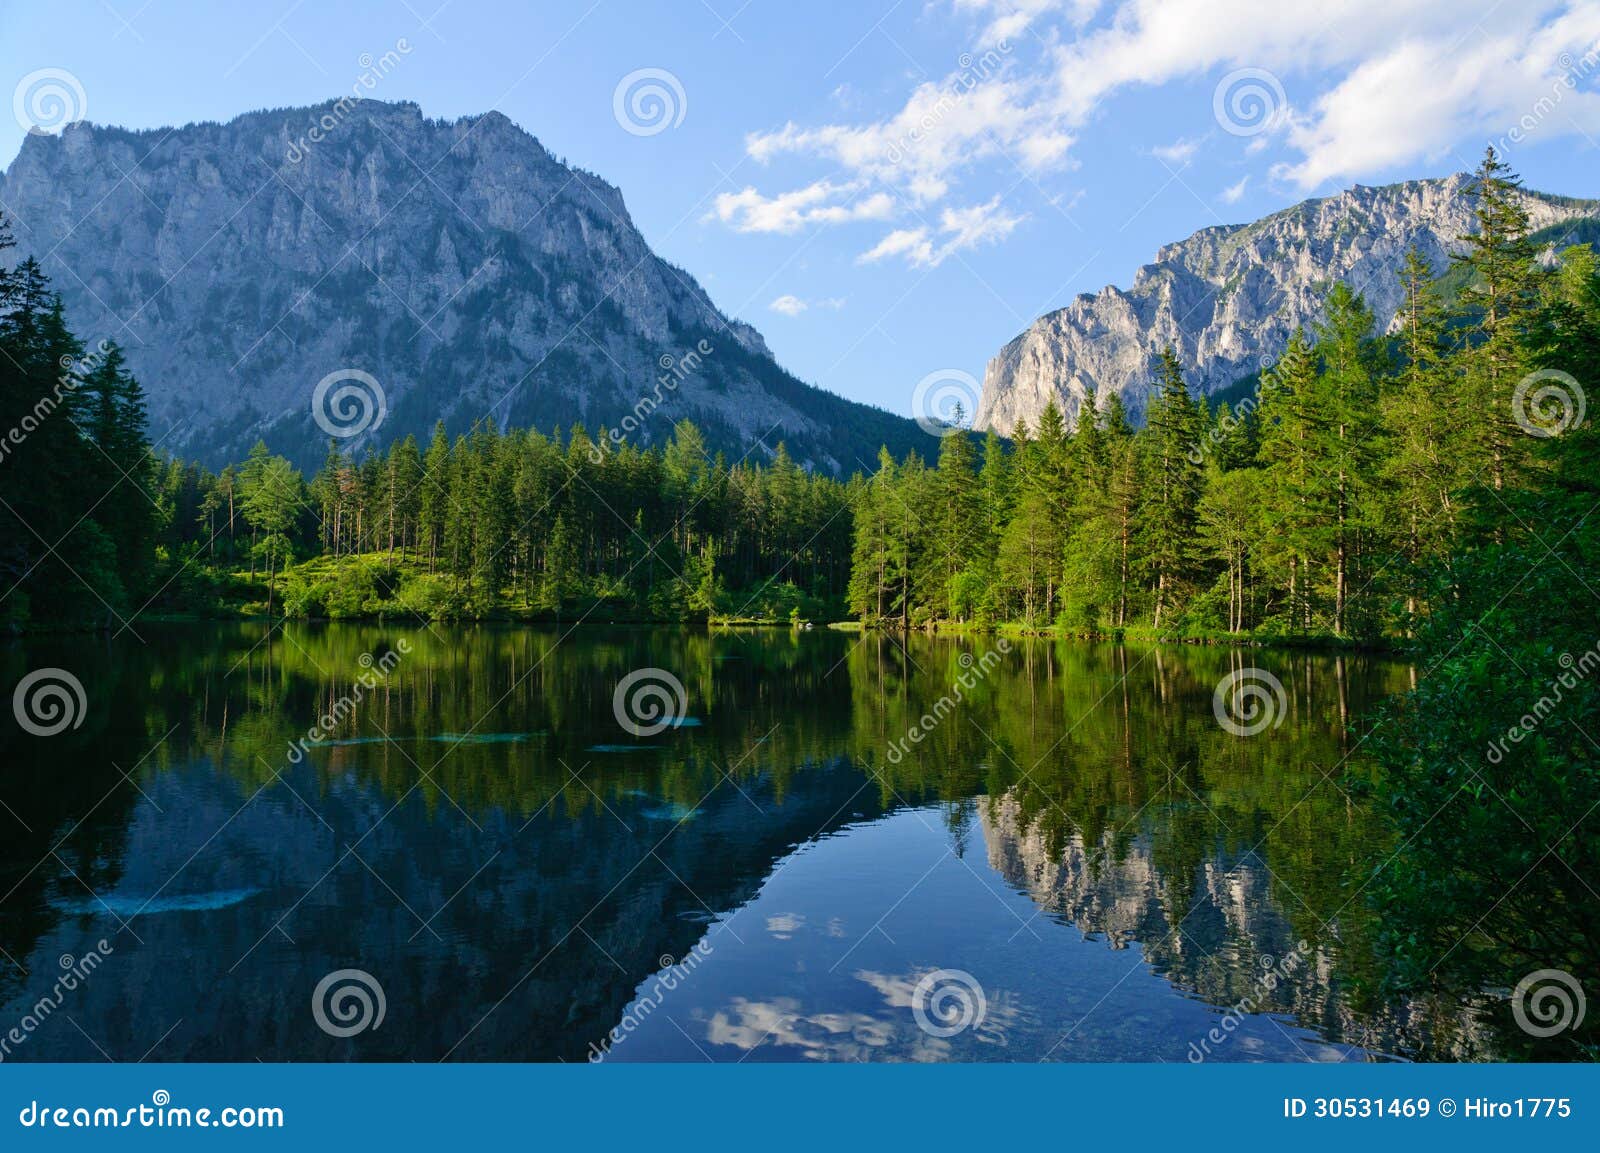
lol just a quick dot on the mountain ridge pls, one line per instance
(1228, 296)
(458, 263)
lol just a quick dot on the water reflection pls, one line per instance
(476, 830)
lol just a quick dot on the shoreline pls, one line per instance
(1130, 635)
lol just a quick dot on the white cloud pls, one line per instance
(975, 115)
(1379, 85)
(959, 228)
(912, 243)
(822, 202)
(1234, 192)
(790, 305)
(1009, 19)
(1179, 152)
(1372, 88)
(1422, 98)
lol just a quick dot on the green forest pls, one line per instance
(1333, 503)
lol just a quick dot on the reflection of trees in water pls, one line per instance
(1267, 839)
(66, 809)
(1217, 938)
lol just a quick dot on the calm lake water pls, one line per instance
(1070, 860)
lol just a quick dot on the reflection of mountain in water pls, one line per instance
(560, 917)
(1219, 935)
(511, 889)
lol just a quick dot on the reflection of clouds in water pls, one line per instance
(819, 1036)
(898, 992)
(785, 925)
(853, 1036)
(1000, 1010)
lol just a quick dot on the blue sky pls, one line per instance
(892, 189)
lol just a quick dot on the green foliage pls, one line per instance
(1316, 507)
(77, 514)
(522, 524)
(1491, 776)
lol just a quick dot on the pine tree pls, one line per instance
(1291, 429)
(1351, 431)
(433, 494)
(1422, 466)
(1499, 309)
(960, 531)
(270, 506)
(1170, 514)
(115, 412)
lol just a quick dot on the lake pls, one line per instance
(366, 842)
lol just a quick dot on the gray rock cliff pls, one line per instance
(470, 272)
(1228, 296)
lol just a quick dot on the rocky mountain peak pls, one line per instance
(1230, 295)
(470, 272)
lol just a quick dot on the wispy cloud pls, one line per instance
(1179, 152)
(1378, 85)
(822, 202)
(959, 229)
(790, 305)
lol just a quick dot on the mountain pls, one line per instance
(1229, 296)
(468, 272)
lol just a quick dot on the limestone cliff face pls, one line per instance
(1227, 296)
(469, 271)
